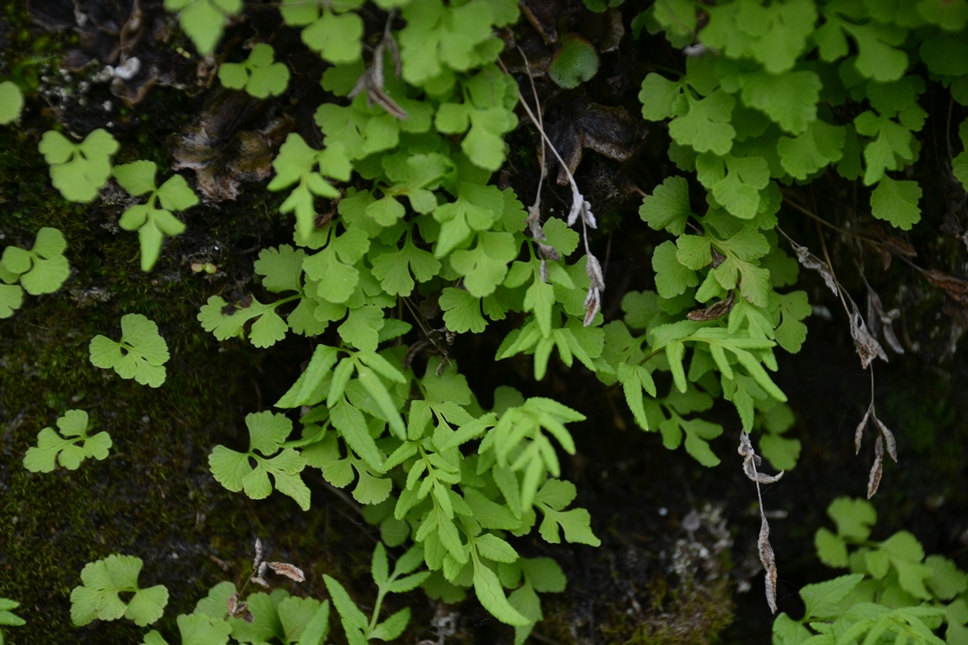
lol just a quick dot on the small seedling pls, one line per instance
(79, 170)
(99, 596)
(140, 354)
(42, 269)
(151, 222)
(11, 103)
(70, 449)
(258, 74)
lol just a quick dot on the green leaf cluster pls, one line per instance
(456, 505)
(893, 590)
(798, 63)
(267, 617)
(103, 582)
(42, 269)
(141, 353)
(79, 170)
(70, 447)
(151, 222)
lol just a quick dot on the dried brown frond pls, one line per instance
(864, 342)
(767, 558)
(580, 207)
(258, 554)
(876, 469)
(881, 321)
(859, 432)
(810, 261)
(713, 311)
(372, 79)
(290, 571)
(888, 438)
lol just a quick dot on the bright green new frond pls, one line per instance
(141, 353)
(297, 162)
(42, 269)
(104, 581)
(151, 222)
(79, 170)
(267, 432)
(226, 320)
(69, 448)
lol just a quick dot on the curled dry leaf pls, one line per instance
(859, 432)
(876, 469)
(372, 79)
(888, 438)
(594, 271)
(258, 554)
(580, 207)
(866, 345)
(877, 317)
(810, 261)
(954, 287)
(768, 559)
(713, 311)
(593, 303)
(259, 581)
(290, 571)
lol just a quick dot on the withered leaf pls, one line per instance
(876, 317)
(594, 270)
(233, 141)
(713, 311)
(810, 261)
(258, 554)
(372, 80)
(290, 571)
(888, 438)
(866, 345)
(579, 125)
(768, 559)
(235, 607)
(593, 303)
(954, 287)
(876, 469)
(859, 432)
